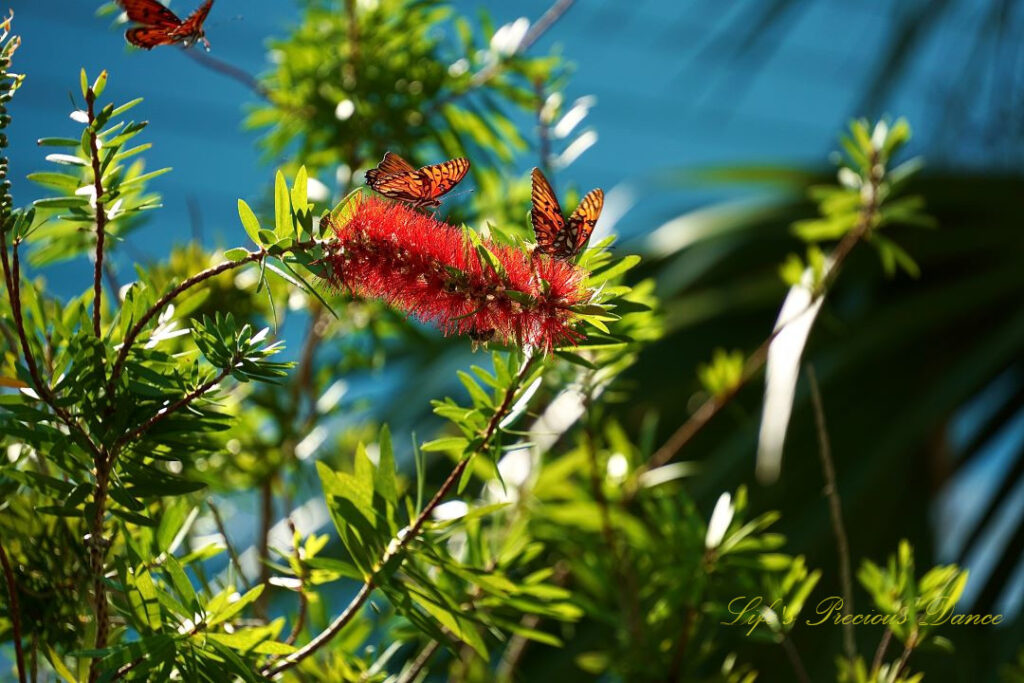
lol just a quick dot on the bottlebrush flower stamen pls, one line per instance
(446, 276)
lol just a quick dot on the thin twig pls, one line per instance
(164, 413)
(905, 657)
(794, 659)
(101, 214)
(14, 614)
(883, 645)
(213, 271)
(518, 643)
(420, 663)
(12, 276)
(679, 656)
(351, 66)
(398, 544)
(835, 512)
(512, 655)
(232, 553)
(263, 543)
(231, 71)
(712, 406)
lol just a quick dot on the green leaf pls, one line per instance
(237, 254)
(448, 443)
(299, 190)
(174, 524)
(59, 181)
(180, 582)
(61, 202)
(614, 269)
(461, 628)
(144, 600)
(283, 224)
(249, 221)
(231, 609)
(384, 477)
(100, 84)
(58, 142)
(255, 640)
(125, 107)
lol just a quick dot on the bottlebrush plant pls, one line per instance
(453, 278)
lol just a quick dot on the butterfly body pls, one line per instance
(481, 337)
(161, 26)
(396, 178)
(557, 236)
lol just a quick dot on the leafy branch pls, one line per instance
(246, 257)
(407, 535)
(865, 191)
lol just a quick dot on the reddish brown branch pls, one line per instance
(232, 553)
(835, 508)
(420, 663)
(101, 214)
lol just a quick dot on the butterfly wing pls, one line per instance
(149, 37)
(391, 164)
(150, 13)
(439, 179)
(194, 24)
(583, 220)
(546, 216)
(406, 187)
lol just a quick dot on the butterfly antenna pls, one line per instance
(461, 192)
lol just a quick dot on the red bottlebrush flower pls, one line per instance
(433, 271)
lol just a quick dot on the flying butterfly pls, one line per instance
(396, 178)
(161, 26)
(556, 236)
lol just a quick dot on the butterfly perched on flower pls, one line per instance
(557, 236)
(161, 26)
(396, 178)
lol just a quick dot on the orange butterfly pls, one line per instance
(557, 236)
(161, 26)
(396, 178)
